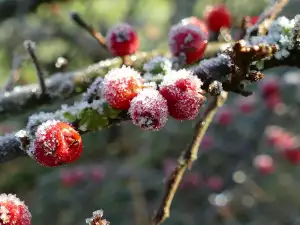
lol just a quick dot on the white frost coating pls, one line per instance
(172, 77)
(281, 34)
(5, 140)
(149, 110)
(180, 28)
(158, 63)
(41, 136)
(95, 90)
(5, 213)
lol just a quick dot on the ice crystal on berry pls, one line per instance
(13, 211)
(149, 110)
(120, 86)
(97, 219)
(182, 91)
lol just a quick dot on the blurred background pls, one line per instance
(247, 172)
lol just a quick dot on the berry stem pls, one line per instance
(29, 46)
(89, 28)
(186, 159)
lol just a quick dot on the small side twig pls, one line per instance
(186, 160)
(29, 46)
(89, 28)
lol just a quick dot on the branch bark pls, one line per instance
(62, 86)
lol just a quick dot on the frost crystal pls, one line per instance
(149, 110)
(95, 90)
(156, 68)
(13, 210)
(281, 34)
(172, 77)
(97, 219)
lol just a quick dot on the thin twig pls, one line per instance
(266, 18)
(89, 28)
(29, 46)
(15, 72)
(186, 159)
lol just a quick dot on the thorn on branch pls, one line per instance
(89, 28)
(30, 46)
(186, 159)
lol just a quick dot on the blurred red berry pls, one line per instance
(217, 16)
(246, 105)
(149, 110)
(67, 179)
(56, 143)
(191, 180)
(272, 101)
(120, 86)
(292, 155)
(215, 183)
(264, 164)
(207, 142)
(270, 86)
(122, 40)
(13, 211)
(182, 91)
(224, 117)
(187, 41)
(253, 20)
(279, 138)
(197, 22)
(97, 174)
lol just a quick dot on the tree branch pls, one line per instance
(62, 86)
(186, 159)
(13, 8)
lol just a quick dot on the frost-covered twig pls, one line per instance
(61, 86)
(185, 161)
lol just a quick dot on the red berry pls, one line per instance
(273, 101)
(182, 91)
(207, 142)
(56, 143)
(215, 183)
(253, 20)
(122, 39)
(264, 164)
(270, 86)
(292, 155)
(187, 41)
(217, 16)
(197, 22)
(224, 117)
(149, 110)
(120, 86)
(246, 105)
(13, 211)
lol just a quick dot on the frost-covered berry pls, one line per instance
(217, 16)
(13, 211)
(149, 110)
(197, 22)
(264, 164)
(182, 91)
(187, 42)
(120, 86)
(122, 39)
(55, 143)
